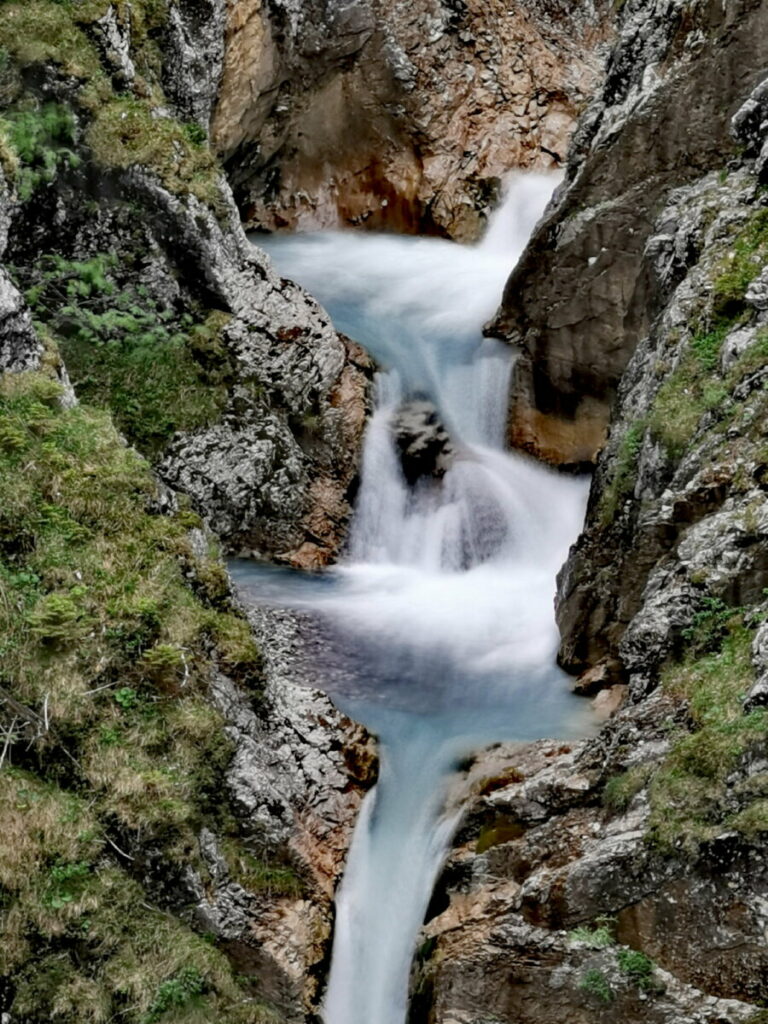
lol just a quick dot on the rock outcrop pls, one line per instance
(625, 877)
(553, 906)
(398, 115)
(578, 302)
(423, 442)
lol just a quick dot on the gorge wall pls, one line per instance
(398, 116)
(624, 877)
(178, 798)
(176, 802)
(577, 303)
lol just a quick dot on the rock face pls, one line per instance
(297, 777)
(625, 878)
(578, 301)
(555, 908)
(272, 472)
(422, 440)
(395, 115)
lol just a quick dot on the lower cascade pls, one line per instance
(437, 627)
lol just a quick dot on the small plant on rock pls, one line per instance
(596, 984)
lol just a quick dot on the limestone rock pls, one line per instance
(398, 116)
(577, 303)
(20, 348)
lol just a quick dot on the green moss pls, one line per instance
(125, 132)
(42, 31)
(622, 483)
(156, 369)
(689, 792)
(748, 255)
(263, 873)
(620, 790)
(103, 638)
(691, 391)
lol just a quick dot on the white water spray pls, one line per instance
(441, 615)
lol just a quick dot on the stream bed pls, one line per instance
(438, 624)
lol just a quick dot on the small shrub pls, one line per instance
(598, 936)
(151, 366)
(176, 993)
(637, 967)
(596, 984)
(709, 626)
(41, 141)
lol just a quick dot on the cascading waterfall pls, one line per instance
(439, 619)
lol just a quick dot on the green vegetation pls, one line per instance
(620, 790)
(691, 391)
(696, 387)
(156, 369)
(747, 257)
(109, 627)
(39, 146)
(637, 967)
(127, 132)
(596, 984)
(622, 483)
(598, 936)
(122, 130)
(690, 801)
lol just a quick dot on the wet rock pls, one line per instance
(327, 113)
(578, 301)
(423, 442)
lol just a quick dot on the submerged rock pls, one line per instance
(423, 442)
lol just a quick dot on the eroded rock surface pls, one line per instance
(578, 301)
(398, 115)
(423, 442)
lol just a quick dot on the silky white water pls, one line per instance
(438, 623)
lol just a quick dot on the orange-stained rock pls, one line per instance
(398, 116)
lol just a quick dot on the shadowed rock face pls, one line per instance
(422, 440)
(396, 115)
(579, 301)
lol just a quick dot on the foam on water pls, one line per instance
(438, 624)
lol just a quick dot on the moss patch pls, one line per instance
(692, 390)
(691, 798)
(622, 483)
(108, 644)
(127, 132)
(155, 367)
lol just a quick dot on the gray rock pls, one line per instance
(20, 348)
(757, 293)
(194, 54)
(114, 41)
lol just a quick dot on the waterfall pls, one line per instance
(439, 631)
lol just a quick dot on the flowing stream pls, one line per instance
(439, 618)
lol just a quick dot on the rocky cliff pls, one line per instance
(175, 809)
(403, 116)
(625, 877)
(578, 301)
